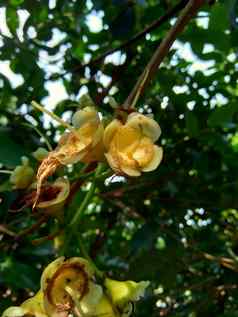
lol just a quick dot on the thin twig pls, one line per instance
(140, 35)
(5, 230)
(189, 11)
(52, 115)
(40, 134)
(154, 25)
(33, 228)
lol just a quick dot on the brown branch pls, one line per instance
(5, 230)
(149, 72)
(154, 25)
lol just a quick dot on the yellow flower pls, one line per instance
(130, 147)
(34, 306)
(69, 286)
(22, 176)
(31, 307)
(124, 293)
(14, 311)
(83, 144)
(105, 308)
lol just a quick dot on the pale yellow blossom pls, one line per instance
(130, 148)
(69, 285)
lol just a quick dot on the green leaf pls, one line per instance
(11, 152)
(16, 2)
(221, 116)
(192, 124)
(219, 18)
(12, 19)
(18, 275)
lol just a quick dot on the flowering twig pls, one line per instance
(186, 15)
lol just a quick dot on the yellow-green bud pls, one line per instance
(22, 176)
(40, 154)
(121, 293)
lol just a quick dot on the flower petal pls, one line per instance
(130, 171)
(85, 115)
(110, 132)
(144, 152)
(34, 305)
(14, 311)
(157, 158)
(127, 139)
(112, 161)
(123, 292)
(54, 205)
(49, 271)
(148, 126)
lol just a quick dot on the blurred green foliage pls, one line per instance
(175, 226)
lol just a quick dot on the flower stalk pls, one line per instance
(161, 52)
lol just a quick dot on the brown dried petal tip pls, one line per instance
(47, 168)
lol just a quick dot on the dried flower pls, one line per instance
(53, 197)
(83, 144)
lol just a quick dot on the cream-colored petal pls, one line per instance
(98, 135)
(86, 133)
(88, 268)
(157, 158)
(144, 152)
(14, 311)
(50, 270)
(127, 139)
(110, 132)
(148, 126)
(91, 299)
(130, 171)
(84, 116)
(113, 162)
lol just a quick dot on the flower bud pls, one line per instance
(123, 293)
(40, 154)
(22, 176)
